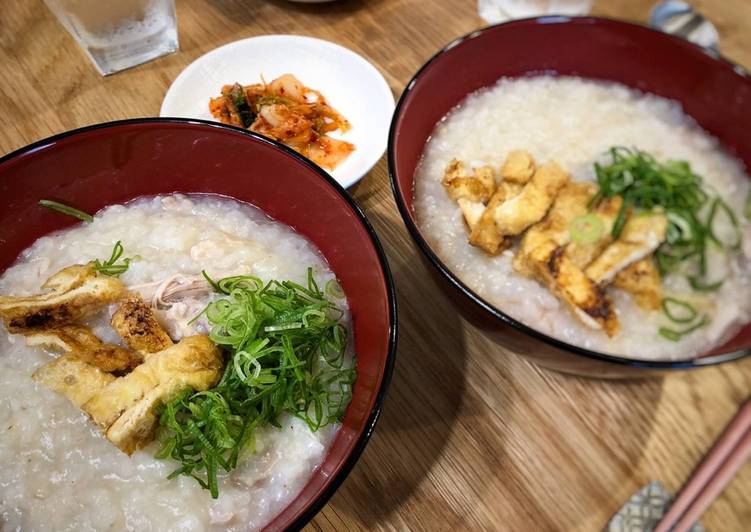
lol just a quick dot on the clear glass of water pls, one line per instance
(119, 34)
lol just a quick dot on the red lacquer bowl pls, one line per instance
(712, 90)
(112, 163)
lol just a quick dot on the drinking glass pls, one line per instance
(119, 34)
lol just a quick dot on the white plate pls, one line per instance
(351, 85)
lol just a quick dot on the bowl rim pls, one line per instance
(335, 481)
(458, 284)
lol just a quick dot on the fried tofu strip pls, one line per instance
(582, 254)
(75, 292)
(571, 285)
(72, 378)
(532, 203)
(82, 344)
(641, 235)
(642, 280)
(135, 322)
(570, 203)
(125, 408)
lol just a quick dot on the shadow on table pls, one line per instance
(525, 433)
(423, 400)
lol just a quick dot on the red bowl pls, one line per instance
(716, 93)
(113, 163)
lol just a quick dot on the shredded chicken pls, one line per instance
(125, 408)
(74, 293)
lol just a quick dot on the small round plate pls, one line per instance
(351, 84)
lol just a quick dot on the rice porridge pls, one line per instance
(574, 122)
(59, 472)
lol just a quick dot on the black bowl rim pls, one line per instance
(468, 292)
(362, 439)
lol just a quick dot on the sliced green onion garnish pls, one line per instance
(646, 184)
(286, 352)
(334, 289)
(747, 207)
(678, 311)
(620, 220)
(700, 286)
(111, 267)
(680, 228)
(675, 336)
(67, 209)
(285, 327)
(720, 208)
(587, 229)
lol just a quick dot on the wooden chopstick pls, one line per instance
(727, 455)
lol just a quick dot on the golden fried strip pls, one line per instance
(519, 167)
(569, 283)
(581, 253)
(532, 203)
(72, 378)
(82, 344)
(485, 234)
(642, 234)
(135, 323)
(571, 202)
(76, 292)
(642, 280)
(125, 407)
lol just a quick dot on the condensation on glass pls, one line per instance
(119, 34)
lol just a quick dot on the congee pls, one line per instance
(175, 363)
(597, 214)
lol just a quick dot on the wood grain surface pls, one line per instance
(472, 437)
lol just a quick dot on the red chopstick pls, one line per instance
(726, 457)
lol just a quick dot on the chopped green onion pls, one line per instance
(747, 207)
(699, 285)
(587, 229)
(718, 208)
(67, 209)
(334, 289)
(646, 184)
(675, 336)
(110, 267)
(620, 219)
(678, 311)
(286, 355)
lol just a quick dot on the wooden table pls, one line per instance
(471, 436)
